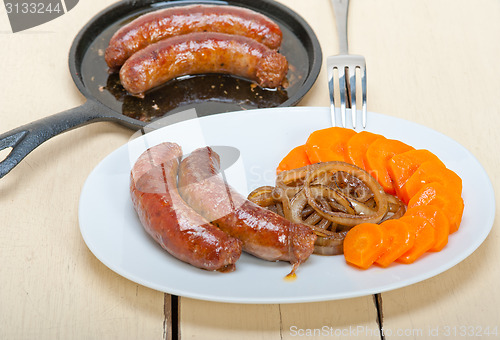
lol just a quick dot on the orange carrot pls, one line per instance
(401, 238)
(328, 144)
(424, 238)
(447, 199)
(403, 165)
(364, 244)
(357, 146)
(377, 156)
(428, 172)
(296, 158)
(439, 221)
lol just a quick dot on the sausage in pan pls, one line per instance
(167, 218)
(158, 25)
(198, 53)
(264, 233)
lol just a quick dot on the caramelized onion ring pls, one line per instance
(333, 245)
(343, 218)
(263, 196)
(330, 198)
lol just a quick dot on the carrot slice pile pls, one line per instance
(403, 165)
(328, 144)
(364, 244)
(377, 157)
(424, 238)
(296, 158)
(447, 199)
(430, 172)
(357, 146)
(432, 192)
(439, 221)
(400, 237)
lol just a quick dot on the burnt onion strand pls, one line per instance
(379, 195)
(330, 198)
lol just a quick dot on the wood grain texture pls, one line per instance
(208, 320)
(52, 285)
(425, 62)
(433, 62)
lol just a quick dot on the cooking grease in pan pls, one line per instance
(209, 94)
(215, 92)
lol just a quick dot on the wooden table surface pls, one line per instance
(433, 62)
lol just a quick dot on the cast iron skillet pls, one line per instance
(208, 94)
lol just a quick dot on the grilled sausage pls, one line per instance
(161, 24)
(170, 221)
(263, 233)
(198, 53)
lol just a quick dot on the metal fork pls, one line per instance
(345, 64)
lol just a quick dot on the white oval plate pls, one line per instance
(112, 231)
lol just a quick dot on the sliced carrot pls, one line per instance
(400, 236)
(424, 238)
(357, 146)
(447, 199)
(328, 144)
(428, 172)
(364, 244)
(377, 156)
(439, 221)
(296, 158)
(403, 165)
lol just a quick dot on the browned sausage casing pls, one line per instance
(264, 233)
(158, 25)
(199, 53)
(170, 221)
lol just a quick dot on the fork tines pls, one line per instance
(346, 86)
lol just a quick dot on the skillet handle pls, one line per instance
(26, 138)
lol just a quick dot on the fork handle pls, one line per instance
(340, 8)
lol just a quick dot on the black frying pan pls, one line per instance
(209, 94)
